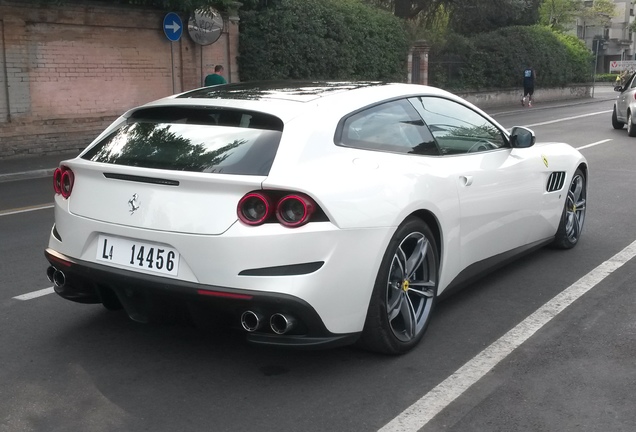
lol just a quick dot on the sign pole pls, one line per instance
(595, 66)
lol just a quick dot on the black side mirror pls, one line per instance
(618, 88)
(521, 137)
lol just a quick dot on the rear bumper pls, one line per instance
(143, 295)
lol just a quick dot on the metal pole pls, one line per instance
(595, 65)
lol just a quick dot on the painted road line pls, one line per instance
(568, 118)
(35, 294)
(593, 144)
(25, 209)
(422, 411)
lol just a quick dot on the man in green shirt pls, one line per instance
(215, 78)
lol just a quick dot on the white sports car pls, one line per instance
(314, 214)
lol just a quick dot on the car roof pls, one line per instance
(288, 99)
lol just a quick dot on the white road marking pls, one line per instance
(422, 411)
(35, 294)
(25, 209)
(593, 144)
(568, 118)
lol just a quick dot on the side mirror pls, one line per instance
(521, 137)
(618, 88)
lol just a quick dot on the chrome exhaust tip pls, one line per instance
(59, 279)
(281, 324)
(50, 273)
(251, 321)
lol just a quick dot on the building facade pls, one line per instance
(611, 42)
(68, 70)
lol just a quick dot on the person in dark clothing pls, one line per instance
(216, 77)
(529, 77)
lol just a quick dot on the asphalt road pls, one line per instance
(72, 367)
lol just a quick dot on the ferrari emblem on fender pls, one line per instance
(545, 160)
(133, 203)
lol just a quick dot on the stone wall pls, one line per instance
(512, 97)
(67, 71)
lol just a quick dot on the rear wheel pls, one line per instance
(573, 216)
(631, 129)
(404, 293)
(615, 123)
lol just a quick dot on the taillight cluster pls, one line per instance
(63, 179)
(290, 209)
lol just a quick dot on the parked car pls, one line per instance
(315, 214)
(623, 113)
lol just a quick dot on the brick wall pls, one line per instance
(67, 71)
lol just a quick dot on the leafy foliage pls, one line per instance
(497, 59)
(321, 39)
(470, 17)
(562, 14)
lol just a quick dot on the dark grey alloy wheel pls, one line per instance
(405, 290)
(573, 217)
(615, 123)
(631, 128)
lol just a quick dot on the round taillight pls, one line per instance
(295, 210)
(67, 183)
(254, 208)
(57, 180)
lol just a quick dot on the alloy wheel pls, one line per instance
(575, 208)
(411, 287)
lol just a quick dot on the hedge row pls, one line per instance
(322, 39)
(349, 40)
(497, 59)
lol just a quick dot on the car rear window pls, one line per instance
(208, 140)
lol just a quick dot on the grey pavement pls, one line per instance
(34, 166)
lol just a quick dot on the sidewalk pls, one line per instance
(43, 166)
(31, 166)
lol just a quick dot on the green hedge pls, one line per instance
(497, 59)
(322, 39)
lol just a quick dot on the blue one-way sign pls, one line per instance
(173, 26)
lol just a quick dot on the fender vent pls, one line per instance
(555, 181)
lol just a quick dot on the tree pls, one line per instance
(562, 14)
(469, 17)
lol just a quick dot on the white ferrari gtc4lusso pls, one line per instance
(312, 214)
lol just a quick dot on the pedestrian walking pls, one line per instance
(529, 76)
(216, 77)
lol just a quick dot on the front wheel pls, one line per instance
(404, 292)
(615, 123)
(631, 128)
(571, 226)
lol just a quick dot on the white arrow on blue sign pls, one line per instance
(173, 26)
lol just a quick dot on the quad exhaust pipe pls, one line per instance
(251, 321)
(56, 277)
(279, 323)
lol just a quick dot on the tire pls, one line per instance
(615, 123)
(405, 291)
(573, 217)
(631, 129)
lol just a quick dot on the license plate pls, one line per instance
(138, 255)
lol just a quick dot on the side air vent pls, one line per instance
(555, 181)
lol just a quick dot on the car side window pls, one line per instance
(392, 126)
(457, 128)
(633, 84)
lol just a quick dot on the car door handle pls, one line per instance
(466, 180)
